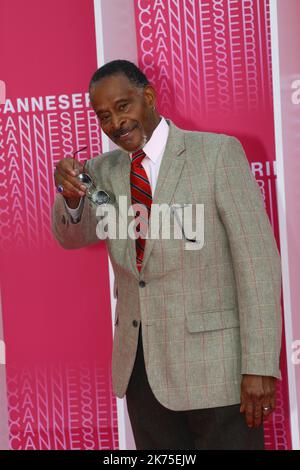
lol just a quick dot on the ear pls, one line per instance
(150, 95)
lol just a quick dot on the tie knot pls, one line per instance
(137, 157)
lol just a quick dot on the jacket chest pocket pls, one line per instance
(188, 224)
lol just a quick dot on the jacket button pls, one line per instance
(142, 283)
(135, 323)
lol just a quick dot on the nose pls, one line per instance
(117, 123)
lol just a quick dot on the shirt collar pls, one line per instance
(157, 142)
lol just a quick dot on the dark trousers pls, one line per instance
(156, 427)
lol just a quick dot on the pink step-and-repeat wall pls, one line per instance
(210, 62)
(55, 303)
(286, 79)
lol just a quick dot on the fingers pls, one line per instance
(71, 186)
(257, 414)
(253, 412)
(71, 190)
(249, 408)
(65, 174)
(257, 398)
(269, 401)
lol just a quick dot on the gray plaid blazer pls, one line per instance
(209, 315)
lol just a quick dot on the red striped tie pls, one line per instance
(140, 194)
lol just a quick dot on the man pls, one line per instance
(197, 332)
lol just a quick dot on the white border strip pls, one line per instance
(294, 417)
(106, 148)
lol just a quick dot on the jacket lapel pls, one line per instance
(120, 177)
(169, 174)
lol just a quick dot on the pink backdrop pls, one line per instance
(211, 65)
(56, 306)
(289, 97)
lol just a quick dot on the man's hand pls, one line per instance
(257, 398)
(65, 174)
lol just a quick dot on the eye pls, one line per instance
(103, 118)
(124, 106)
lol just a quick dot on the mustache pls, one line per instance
(122, 131)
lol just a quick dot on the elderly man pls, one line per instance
(197, 331)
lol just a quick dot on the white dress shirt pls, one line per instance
(154, 150)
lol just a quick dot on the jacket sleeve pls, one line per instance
(255, 258)
(72, 235)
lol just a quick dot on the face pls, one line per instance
(125, 111)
